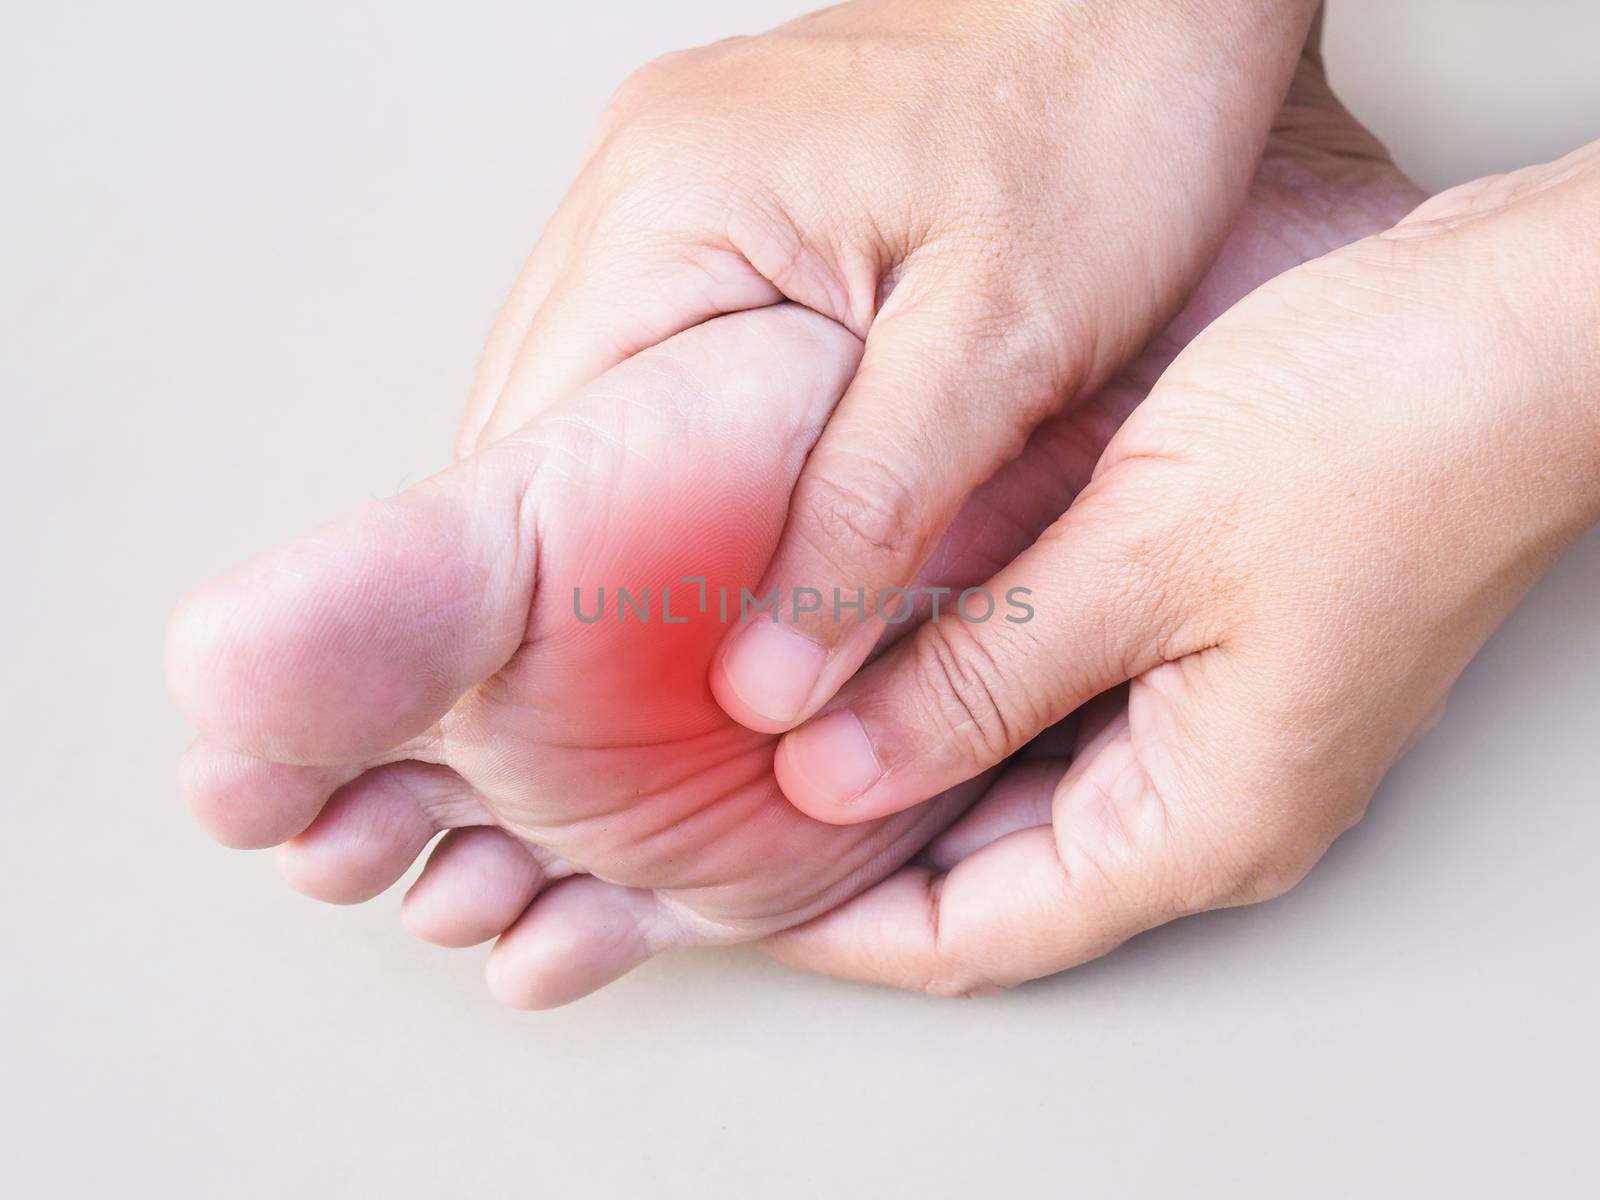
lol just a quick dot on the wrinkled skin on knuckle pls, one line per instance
(853, 509)
(1015, 341)
(963, 691)
(1122, 852)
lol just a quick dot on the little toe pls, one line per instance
(251, 803)
(374, 828)
(476, 883)
(577, 937)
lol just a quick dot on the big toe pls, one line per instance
(342, 645)
(251, 803)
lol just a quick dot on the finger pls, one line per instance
(552, 255)
(1194, 796)
(1117, 860)
(1107, 593)
(940, 402)
(1095, 718)
(549, 257)
(611, 303)
(1019, 799)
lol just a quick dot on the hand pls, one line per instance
(1005, 198)
(327, 681)
(1287, 554)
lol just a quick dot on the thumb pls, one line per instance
(943, 398)
(1131, 845)
(1112, 590)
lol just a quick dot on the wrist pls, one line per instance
(1241, 30)
(1550, 262)
(1513, 263)
(1237, 32)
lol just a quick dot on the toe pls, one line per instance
(577, 937)
(476, 883)
(374, 828)
(250, 803)
(344, 644)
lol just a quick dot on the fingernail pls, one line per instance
(832, 758)
(773, 669)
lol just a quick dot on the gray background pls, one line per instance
(248, 255)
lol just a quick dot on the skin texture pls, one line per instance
(418, 667)
(1006, 199)
(1292, 549)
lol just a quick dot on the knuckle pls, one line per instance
(1268, 876)
(1012, 337)
(645, 85)
(641, 124)
(674, 105)
(1257, 869)
(1289, 838)
(964, 692)
(1019, 353)
(627, 155)
(865, 513)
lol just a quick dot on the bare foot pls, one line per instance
(422, 665)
